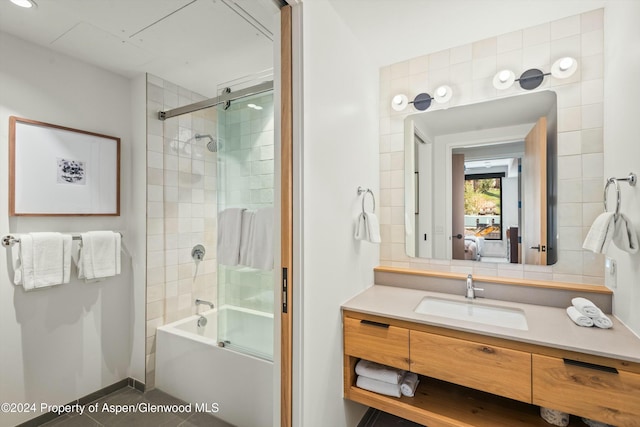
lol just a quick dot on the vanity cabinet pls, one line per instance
(489, 368)
(473, 380)
(391, 343)
(592, 390)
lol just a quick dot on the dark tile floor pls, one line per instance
(130, 396)
(376, 418)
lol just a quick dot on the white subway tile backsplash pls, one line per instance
(593, 165)
(461, 54)
(570, 191)
(418, 65)
(536, 35)
(593, 43)
(592, 189)
(484, 68)
(569, 119)
(592, 116)
(484, 48)
(537, 56)
(569, 143)
(509, 42)
(565, 27)
(439, 60)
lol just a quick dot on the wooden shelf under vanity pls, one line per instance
(472, 380)
(441, 404)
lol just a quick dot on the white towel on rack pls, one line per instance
(260, 253)
(229, 232)
(368, 228)
(99, 255)
(247, 230)
(44, 259)
(579, 318)
(601, 233)
(625, 236)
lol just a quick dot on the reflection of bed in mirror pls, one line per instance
(473, 246)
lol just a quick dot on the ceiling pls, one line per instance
(197, 44)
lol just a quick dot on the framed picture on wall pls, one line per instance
(60, 171)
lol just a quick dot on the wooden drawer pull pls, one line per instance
(372, 323)
(488, 350)
(590, 366)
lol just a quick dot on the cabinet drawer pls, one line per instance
(587, 390)
(489, 368)
(378, 342)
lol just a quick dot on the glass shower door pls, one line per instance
(245, 147)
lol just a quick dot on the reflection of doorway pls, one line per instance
(457, 205)
(483, 205)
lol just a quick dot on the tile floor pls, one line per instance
(129, 396)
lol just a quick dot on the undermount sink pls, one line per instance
(472, 311)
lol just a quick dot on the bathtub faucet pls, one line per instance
(201, 301)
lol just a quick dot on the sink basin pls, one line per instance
(472, 311)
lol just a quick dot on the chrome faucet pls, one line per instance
(471, 290)
(203, 302)
(202, 321)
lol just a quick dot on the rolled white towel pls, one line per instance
(556, 418)
(379, 372)
(578, 318)
(585, 307)
(409, 384)
(378, 386)
(602, 321)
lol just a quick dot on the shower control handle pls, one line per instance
(197, 253)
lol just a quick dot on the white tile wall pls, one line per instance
(469, 70)
(177, 168)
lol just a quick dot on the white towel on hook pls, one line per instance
(368, 228)
(625, 236)
(99, 255)
(601, 233)
(44, 259)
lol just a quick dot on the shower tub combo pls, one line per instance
(232, 385)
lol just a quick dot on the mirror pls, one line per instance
(480, 181)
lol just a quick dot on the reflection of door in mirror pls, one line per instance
(457, 205)
(535, 194)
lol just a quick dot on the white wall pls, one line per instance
(621, 145)
(340, 153)
(64, 342)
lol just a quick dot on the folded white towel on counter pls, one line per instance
(229, 233)
(579, 318)
(379, 372)
(44, 259)
(99, 255)
(409, 384)
(602, 321)
(368, 228)
(378, 386)
(585, 307)
(601, 233)
(625, 236)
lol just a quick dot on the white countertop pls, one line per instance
(548, 326)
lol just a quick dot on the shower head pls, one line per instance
(212, 145)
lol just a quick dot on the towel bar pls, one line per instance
(10, 240)
(632, 179)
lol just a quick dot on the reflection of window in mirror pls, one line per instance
(482, 206)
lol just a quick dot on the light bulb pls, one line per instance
(399, 102)
(566, 63)
(504, 75)
(441, 91)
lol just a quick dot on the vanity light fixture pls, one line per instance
(561, 69)
(25, 3)
(422, 101)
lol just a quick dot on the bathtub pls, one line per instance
(235, 387)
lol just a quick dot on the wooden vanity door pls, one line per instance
(457, 206)
(534, 210)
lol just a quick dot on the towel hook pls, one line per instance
(632, 179)
(373, 198)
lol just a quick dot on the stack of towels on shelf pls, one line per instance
(44, 259)
(585, 313)
(385, 379)
(245, 237)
